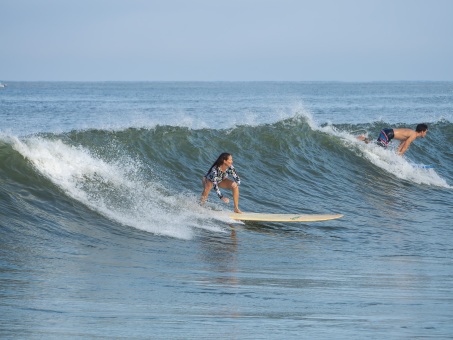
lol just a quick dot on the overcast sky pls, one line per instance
(295, 40)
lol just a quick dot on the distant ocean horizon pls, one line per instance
(102, 235)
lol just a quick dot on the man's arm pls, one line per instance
(404, 145)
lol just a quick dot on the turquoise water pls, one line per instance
(102, 237)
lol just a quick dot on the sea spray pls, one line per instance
(113, 190)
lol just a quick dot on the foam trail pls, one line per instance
(401, 167)
(116, 191)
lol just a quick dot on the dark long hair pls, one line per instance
(223, 157)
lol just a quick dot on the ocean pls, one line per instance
(102, 236)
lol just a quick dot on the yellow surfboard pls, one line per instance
(250, 216)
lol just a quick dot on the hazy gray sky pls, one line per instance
(297, 40)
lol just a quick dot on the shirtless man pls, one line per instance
(406, 136)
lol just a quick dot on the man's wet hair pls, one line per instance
(421, 127)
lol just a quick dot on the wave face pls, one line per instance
(150, 178)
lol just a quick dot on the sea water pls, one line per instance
(102, 236)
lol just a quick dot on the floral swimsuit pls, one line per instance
(215, 175)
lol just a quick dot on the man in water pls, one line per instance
(406, 136)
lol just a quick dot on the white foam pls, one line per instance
(116, 191)
(401, 167)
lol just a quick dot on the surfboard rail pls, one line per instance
(422, 166)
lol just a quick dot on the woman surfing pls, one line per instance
(217, 177)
